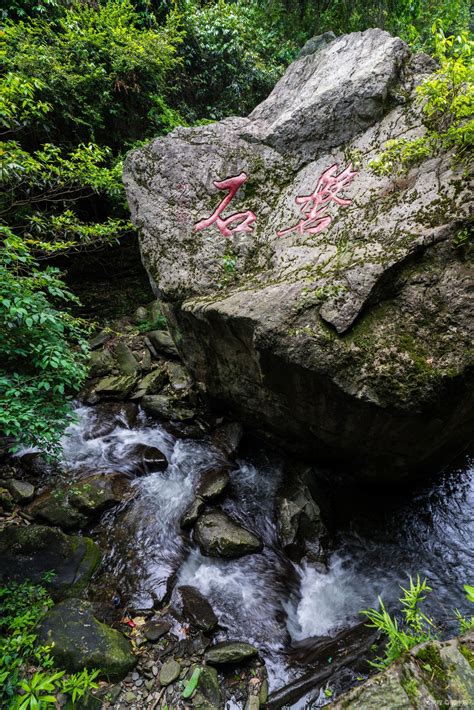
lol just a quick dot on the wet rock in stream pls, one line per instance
(154, 630)
(72, 506)
(197, 609)
(152, 383)
(169, 672)
(20, 491)
(160, 341)
(218, 535)
(149, 459)
(113, 387)
(227, 437)
(109, 415)
(167, 407)
(213, 483)
(209, 687)
(299, 523)
(191, 514)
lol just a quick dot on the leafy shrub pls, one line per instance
(43, 351)
(28, 677)
(231, 57)
(466, 623)
(101, 72)
(415, 627)
(447, 99)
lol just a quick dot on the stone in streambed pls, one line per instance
(299, 524)
(151, 383)
(115, 386)
(208, 694)
(197, 609)
(99, 339)
(6, 500)
(21, 491)
(126, 361)
(213, 483)
(101, 363)
(230, 652)
(72, 506)
(93, 494)
(29, 552)
(159, 341)
(219, 536)
(110, 415)
(169, 672)
(149, 459)
(140, 315)
(227, 437)
(178, 377)
(166, 407)
(192, 513)
(154, 630)
(53, 506)
(78, 640)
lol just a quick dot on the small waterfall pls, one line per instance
(265, 598)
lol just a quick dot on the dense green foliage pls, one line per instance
(28, 676)
(43, 352)
(82, 82)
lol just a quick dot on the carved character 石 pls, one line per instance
(245, 219)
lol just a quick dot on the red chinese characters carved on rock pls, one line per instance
(314, 206)
(245, 219)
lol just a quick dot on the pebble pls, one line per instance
(154, 630)
(169, 672)
(135, 675)
(154, 670)
(139, 682)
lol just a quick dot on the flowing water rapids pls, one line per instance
(266, 599)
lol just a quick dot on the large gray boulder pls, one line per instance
(349, 344)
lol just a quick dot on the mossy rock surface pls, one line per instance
(81, 641)
(230, 652)
(73, 505)
(218, 535)
(29, 552)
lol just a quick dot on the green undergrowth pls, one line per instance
(29, 678)
(410, 626)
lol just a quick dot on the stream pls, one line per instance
(266, 599)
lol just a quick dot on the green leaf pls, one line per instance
(192, 683)
(469, 592)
